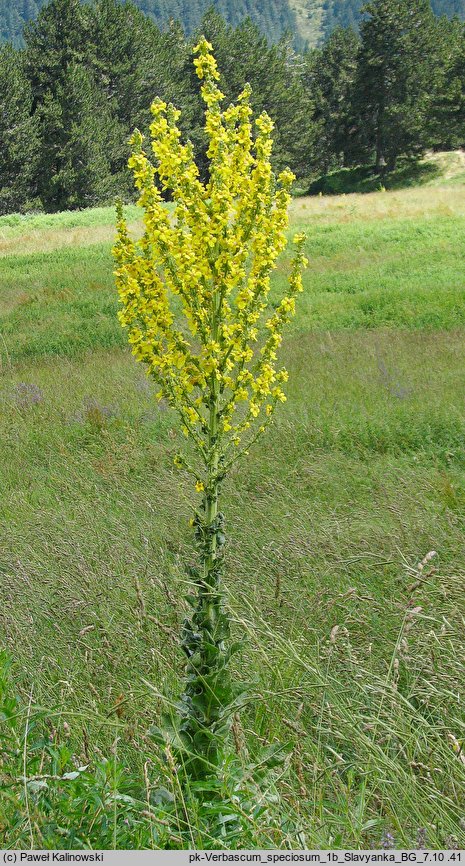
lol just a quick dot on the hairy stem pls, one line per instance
(207, 698)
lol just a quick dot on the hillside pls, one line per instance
(311, 20)
(13, 15)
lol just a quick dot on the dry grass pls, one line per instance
(45, 241)
(390, 205)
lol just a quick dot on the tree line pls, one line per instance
(345, 13)
(88, 73)
(273, 17)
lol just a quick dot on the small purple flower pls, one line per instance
(93, 408)
(94, 413)
(26, 394)
(387, 840)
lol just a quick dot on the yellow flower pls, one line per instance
(194, 289)
(199, 486)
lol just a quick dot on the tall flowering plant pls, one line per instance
(194, 294)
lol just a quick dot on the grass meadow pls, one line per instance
(355, 650)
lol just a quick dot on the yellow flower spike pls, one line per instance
(205, 64)
(203, 46)
(194, 294)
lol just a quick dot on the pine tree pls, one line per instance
(330, 78)
(18, 134)
(273, 17)
(161, 67)
(81, 149)
(446, 125)
(78, 170)
(120, 53)
(394, 79)
(344, 13)
(60, 36)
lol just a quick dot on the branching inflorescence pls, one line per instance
(195, 301)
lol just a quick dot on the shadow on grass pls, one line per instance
(363, 179)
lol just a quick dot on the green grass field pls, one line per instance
(355, 655)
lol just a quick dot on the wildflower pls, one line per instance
(194, 295)
(26, 395)
(387, 840)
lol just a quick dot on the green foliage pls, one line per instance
(49, 799)
(448, 7)
(447, 117)
(80, 144)
(18, 135)
(47, 795)
(273, 18)
(345, 13)
(80, 156)
(349, 13)
(92, 70)
(330, 77)
(393, 85)
(89, 71)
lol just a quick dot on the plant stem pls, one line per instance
(207, 699)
